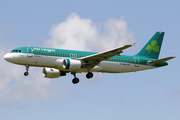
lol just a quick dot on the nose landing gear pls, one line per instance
(27, 69)
(26, 73)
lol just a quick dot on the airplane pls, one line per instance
(58, 62)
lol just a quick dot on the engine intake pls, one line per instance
(71, 64)
(52, 73)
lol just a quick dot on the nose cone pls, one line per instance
(8, 57)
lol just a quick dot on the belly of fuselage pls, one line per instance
(56, 62)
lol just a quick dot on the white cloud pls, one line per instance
(80, 34)
(73, 33)
(14, 86)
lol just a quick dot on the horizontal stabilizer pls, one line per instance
(159, 61)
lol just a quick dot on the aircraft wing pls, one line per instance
(95, 59)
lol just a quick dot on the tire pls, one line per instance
(26, 74)
(75, 80)
(89, 75)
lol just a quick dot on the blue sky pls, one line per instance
(150, 94)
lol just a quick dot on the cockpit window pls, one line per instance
(16, 51)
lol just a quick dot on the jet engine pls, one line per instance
(52, 73)
(72, 64)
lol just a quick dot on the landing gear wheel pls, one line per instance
(26, 74)
(27, 69)
(75, 80)
(89, 75)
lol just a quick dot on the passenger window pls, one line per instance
(19, 50)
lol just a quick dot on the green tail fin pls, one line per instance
(153, 46)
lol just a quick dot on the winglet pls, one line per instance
(134, 44)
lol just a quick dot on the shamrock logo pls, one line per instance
(153, 46)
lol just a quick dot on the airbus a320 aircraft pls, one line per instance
(58, 62)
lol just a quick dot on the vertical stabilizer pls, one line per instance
(153, 46)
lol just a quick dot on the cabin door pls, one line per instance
(29, 52)
(136, 60)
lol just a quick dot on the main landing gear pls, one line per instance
(89, 75)
(27, 69)
(76, 80)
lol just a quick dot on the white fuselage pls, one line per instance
(56, 62)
